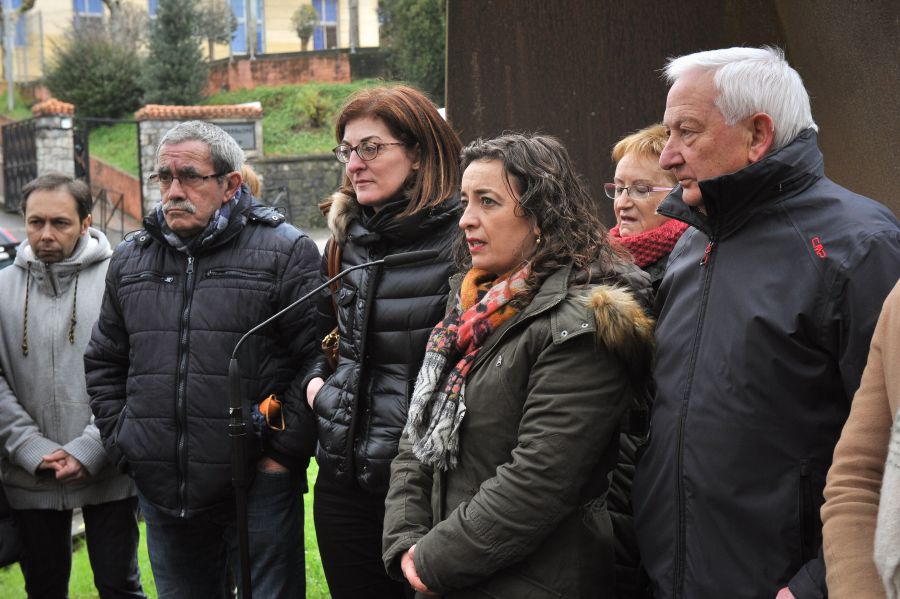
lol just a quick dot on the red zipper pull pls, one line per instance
(705, 258)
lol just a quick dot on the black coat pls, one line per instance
(158, 358)
(385, 317)
(765, 316)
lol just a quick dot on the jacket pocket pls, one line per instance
(240, 273)
(147, 276)
(808, 548)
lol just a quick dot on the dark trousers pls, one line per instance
(349, 523)
(111, 531)
(190, 557)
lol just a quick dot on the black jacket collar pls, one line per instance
(731, 199)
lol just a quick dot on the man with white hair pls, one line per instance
(765, 316)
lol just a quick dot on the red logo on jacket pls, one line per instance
(818, 247)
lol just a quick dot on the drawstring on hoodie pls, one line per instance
(25, 325)
(73, 320)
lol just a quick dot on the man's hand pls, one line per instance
(408, 567)
(66, 468)
(312, 389)
(269, 465)
(785, 593)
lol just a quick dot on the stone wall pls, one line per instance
(54, 145)
(151, 133)
(304, 180)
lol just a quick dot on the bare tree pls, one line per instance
(217, 24)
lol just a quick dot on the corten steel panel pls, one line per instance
(848, 54)
(588, 71)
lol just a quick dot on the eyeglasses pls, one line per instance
(637, 191)
(367, 150)
(188, 180)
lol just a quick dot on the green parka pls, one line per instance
(523, 515)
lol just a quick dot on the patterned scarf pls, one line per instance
(438, 405)
(649, 246)
(217, 223)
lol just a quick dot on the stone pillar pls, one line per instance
(243, 121)
(53, 137)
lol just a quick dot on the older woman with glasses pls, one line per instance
(399, 194)
(640, 185)
(499, 488)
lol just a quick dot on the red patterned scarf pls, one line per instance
(648, 247)
(438, 405)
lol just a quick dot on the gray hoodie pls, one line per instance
(43, 401)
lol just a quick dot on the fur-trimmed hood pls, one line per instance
(344, 210)
(624, 328)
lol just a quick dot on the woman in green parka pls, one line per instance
(499, 487)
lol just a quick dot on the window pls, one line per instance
(21, 26)
(325, 36)
(239, 40)
(87, 12)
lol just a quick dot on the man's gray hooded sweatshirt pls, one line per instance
(47, 312)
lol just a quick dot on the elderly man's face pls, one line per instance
(188, 206)
(701, 144)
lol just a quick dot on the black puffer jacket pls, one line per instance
(385, 318)
(766, 313)
(158, 358)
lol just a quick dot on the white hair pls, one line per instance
(227, 156)
(751, 80)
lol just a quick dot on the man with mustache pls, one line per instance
(52, 457)
(209, 264)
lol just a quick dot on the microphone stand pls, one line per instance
(237, 426)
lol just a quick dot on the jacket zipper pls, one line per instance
(350, 450)
(240, 274)
(695, 348)
(180, 398)
(709, 249)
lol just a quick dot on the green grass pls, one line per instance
(117, 145)
(81, 585)
(21, 110)
(298, 120)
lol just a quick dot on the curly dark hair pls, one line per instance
(540, 172)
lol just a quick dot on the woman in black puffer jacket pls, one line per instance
(399, 195)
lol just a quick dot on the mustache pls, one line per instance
(185, 205)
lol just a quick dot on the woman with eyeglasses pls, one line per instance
(399, 194)
(499, 489)
(640, 185)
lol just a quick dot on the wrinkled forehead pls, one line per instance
(187, 156)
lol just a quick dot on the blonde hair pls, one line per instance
(252, 179)
(647, 142)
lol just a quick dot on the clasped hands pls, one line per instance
(64, 466)
(408, 567)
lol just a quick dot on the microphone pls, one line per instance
(236, 424)
(391, 261)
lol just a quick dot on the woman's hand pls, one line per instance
(312, 389)
(408, 567)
